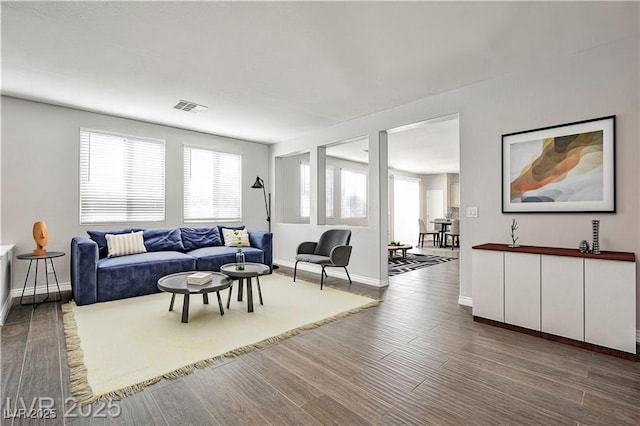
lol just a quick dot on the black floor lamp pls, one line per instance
(259, 183)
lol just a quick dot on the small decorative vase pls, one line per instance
(584, 246)
(239, 261)
(595, 246)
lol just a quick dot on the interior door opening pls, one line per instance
(424, 181)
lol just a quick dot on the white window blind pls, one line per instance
(212, 185)
(121, 178)
(329, 187)
(305, 189)
(353, 201)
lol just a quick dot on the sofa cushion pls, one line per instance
(221, 227)
(163, 239)
(124, 244)
(101, 240)
(138, 274)
(194, 238)
(232, 240)
(212, 258)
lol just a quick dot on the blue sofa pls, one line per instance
(95, 277)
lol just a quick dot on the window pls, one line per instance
(406, 208)
(305, 189)
(329, 188)
(353, 201)
(212, 190)
(121, 178)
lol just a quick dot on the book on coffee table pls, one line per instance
(199, 278)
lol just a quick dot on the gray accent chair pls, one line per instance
(332, 250)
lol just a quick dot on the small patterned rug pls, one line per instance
(415, 261)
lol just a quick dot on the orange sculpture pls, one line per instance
(41, 235)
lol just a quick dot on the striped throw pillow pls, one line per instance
(122, 244)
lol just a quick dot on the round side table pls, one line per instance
(177, 284)
(37, 258)
(250, 270)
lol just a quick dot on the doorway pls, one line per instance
(423, 162)
(434, 205)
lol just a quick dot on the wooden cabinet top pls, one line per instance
(556, 251)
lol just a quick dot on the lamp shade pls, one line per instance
(258, 184)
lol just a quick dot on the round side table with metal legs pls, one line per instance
(48, 262)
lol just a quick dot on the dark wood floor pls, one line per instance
(418, 358)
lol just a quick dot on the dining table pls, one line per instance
(445, 224)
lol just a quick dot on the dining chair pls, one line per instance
(454, 233)
(441, 224)
(426, 231)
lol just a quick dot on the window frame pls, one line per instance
(82, 172)
(304, 197)
(330, 192)
(342, 197)
(184, 189)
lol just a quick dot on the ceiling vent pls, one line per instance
(190, 107)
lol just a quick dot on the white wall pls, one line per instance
(40, 178)
(290, 186)
(594, 83)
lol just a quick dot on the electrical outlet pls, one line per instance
(472, 212)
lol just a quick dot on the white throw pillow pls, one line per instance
(122, 244)
(231, 240)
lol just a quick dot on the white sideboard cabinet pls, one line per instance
(581, 299)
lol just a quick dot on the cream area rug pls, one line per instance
(117, 348)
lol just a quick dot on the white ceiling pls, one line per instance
(428, 147)
(269, 71)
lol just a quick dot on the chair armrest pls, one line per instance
(264, 241)
(84, 270)
(340, 255)
(307, 247)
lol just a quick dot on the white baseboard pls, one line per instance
(334, 272)
(465, 301)
(41, 289)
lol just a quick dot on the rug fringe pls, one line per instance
(83, 394)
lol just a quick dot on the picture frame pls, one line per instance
(567, 168)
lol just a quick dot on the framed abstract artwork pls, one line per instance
(563, 169)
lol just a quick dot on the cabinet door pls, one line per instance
(487, 284)
(522, 290)
(610, 304)
(563, 296)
